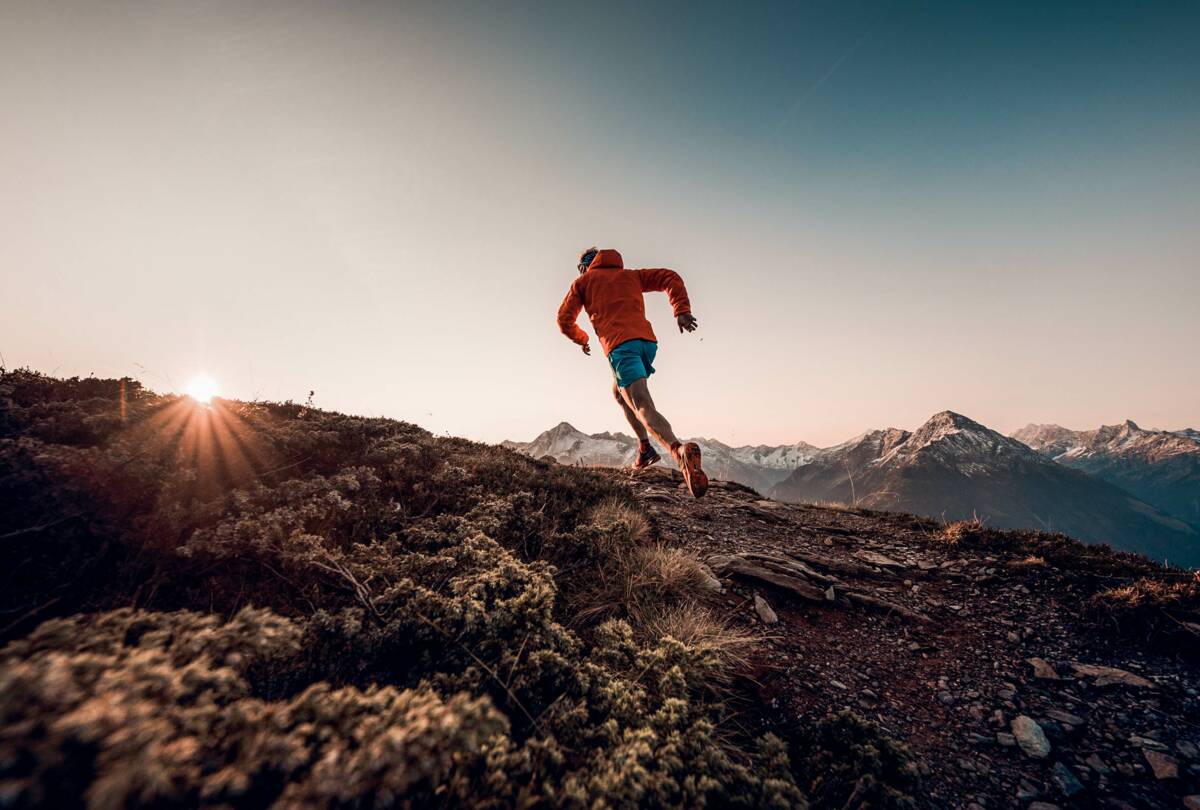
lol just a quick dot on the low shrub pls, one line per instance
(339, 611)
(850, 762)
(134, 709)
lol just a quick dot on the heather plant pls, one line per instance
(850, 762)
(143, 709)
(269, 605)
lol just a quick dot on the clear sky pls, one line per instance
(881, 210)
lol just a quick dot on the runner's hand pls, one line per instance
(687, 322)
(587, 349)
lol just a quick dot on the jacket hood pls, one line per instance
(607, 258)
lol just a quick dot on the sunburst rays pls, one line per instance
(216, 444)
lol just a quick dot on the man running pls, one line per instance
(612, 297)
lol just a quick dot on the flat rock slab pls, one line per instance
(1163, 765)
(1066, 780)
(832, 564)
(1110, 676)
(1042, 669)
(737, 565)
(875, 558)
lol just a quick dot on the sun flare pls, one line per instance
(201, 388)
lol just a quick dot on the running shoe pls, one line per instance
(689, 464)
(646, 458)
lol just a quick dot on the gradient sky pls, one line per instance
(881, 210)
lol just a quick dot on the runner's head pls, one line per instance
(585, 259)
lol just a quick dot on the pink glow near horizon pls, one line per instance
(387, 212)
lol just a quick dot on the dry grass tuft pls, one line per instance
(672, 574)
(637, 581)
(702, 630)
(1153, 608)
(633, 577)
(1153, 593)
(621, 526)
(1032, 561)
(961, 530)
(660, 591)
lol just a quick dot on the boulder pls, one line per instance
(1030, 737)
(764, 611)
(1163, 765)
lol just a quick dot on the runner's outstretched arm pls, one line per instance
(568, 313)
(668, 281)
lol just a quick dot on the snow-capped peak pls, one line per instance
(960, 443)
(1124, 440)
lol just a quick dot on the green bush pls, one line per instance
(328, 611)
(141, 709)
(850, 762)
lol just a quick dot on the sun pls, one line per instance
(201, 388)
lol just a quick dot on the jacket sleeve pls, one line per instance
(668, 281)
(568, 312)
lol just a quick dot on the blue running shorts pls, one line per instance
(632, 361)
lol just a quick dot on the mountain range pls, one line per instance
(757, 466)
(1137, 490)
(1158, 466)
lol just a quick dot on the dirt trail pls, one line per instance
(945, 645)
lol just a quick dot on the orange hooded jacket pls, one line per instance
(612, 297)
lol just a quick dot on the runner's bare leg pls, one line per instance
(630, 415)
(638, 399)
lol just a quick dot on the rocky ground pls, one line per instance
(973, 648)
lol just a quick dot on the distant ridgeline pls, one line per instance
(1136, 490)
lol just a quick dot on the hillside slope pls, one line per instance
(946, 635)
(258, 605)
(251, 605)
(955, 468)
